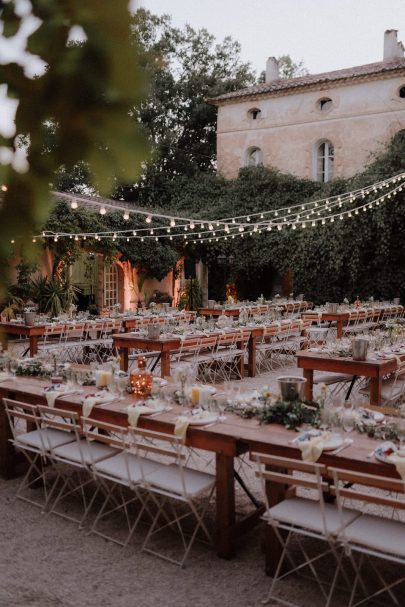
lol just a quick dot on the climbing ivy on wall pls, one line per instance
(362, 256)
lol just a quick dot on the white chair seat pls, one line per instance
(377, 533)
(49, 438)
(87, 453)
(171, 479)
(127, 466)
(331, 378)
(302, 512)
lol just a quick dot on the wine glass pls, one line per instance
(348, 418)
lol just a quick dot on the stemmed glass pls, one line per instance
(121, 382)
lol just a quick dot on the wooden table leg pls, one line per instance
(375, 391)
(124, 353)
(225, 506)
(33, 345)
(339, 328)
(252, 356)
(308, 374)
(165, 364)
(7, 451)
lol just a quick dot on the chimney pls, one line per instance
(272, 72)
(392, 48)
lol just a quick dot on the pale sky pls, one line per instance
(324, 34)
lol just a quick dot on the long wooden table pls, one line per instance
(374, 369)
(33, 332)
(165, 346)
(227, 440)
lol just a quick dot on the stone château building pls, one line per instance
(317, 126)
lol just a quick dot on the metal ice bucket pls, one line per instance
(359, 348)
(29, 318)
(396, 301)
(291, 388)
(153, 331)
(333, 308)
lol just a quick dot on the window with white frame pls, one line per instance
(325, 155)
(254, 157)
(110, 286)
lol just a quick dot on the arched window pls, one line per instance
(110, 286)
(324, 161)
(254, 157)
(254, 113)
(401, 92)
(325, 104)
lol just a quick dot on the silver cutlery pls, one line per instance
(346, 443)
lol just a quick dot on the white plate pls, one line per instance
(379, 451)
(370, 415)
(334, 441)
(155, 409)
(195, 420)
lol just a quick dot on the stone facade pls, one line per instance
(283, 123)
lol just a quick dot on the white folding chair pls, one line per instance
(34, 444)
(299, 517)
(120, 478)
(372, 535)
(70, 461)
(181, 494)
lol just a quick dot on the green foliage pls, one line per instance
(53, 295)
(22, 290)
(86, 92)
(291, 414)
(185, 67)
(191, 296)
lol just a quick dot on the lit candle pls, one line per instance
(195, 396)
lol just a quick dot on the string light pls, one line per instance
(281, 217)
(74, 204)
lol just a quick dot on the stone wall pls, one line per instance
(364, 116)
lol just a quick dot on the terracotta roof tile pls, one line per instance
(277, 86)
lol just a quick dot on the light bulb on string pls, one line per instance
(103, 211)
(172, 223)
(126, 216)
(73, 204)
(148, 219)
(192, 225)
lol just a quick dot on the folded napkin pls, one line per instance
(96, 399)
(52, 395)
(399, 463)
(135, 412)
(4, 376)
(182, 423)
(311, 449)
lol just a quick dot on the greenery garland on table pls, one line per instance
(33, 368)
(290, 414)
